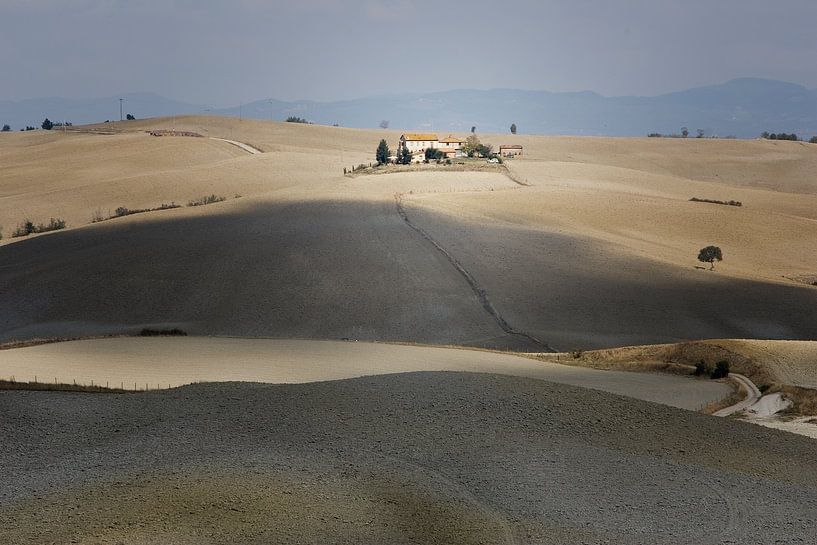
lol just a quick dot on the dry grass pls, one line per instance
(804, 400)
(677, 358)
(596, 359)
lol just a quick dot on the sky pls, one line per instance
(223, 52)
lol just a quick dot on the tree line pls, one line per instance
(785, 136)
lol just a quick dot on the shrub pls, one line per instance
(130, 117)
(53, 225)
(721, 370)
(27, 227)
(175, 332)
(813, 140)
(701, 368)
(713, 201)
(121, 211)
(6, 128)
(296, 119)
(434, 154)
(47, 124)
(576, 354)
(209, 199)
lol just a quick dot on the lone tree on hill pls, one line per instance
(47, 124)
(709, 255)
(513, 128)
(382, 154)
(6, 128)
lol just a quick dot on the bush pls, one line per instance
(175, 332)
(6, 128)
(47, 124)
(813, 140)
(24, 229)
(713, 201)
(209, 199)
(434, 154)
(130, 117)
(701, 368)
(721, 370)
(295, 119)
(27, 227)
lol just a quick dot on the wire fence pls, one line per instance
(15, 382)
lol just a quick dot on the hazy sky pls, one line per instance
(221, 52)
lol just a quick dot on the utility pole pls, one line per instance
(120, 109)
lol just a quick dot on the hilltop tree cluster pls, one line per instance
(779, 136)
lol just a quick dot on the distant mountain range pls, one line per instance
(742, 107)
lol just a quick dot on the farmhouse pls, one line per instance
(510, 150)
(418, 143)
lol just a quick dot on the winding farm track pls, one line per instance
(752, 396)
(246, 147)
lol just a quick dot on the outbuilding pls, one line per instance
(510, 150)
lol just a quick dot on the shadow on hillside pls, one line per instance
(324, 269)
